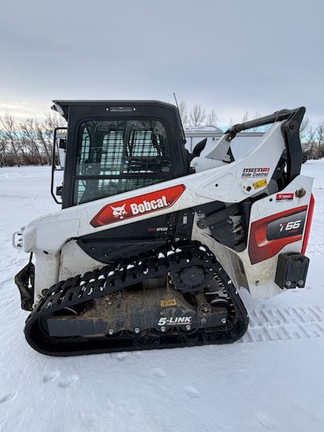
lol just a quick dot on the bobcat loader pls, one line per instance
(153, 243)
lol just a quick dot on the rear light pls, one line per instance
(308, 223)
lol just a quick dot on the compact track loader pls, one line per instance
(153, 243)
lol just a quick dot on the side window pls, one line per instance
(118, 156)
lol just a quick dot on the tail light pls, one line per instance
(308, 223)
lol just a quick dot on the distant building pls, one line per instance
(241, 144)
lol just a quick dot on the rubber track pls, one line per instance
(92, 285)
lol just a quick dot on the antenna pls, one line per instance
(176, 100)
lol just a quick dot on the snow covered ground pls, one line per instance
(273, 379)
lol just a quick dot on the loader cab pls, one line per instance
(113, 147)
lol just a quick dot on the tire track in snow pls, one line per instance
(285, 324)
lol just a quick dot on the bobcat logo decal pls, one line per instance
(119, 212)
(141, 205)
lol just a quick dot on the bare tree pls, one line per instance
(246, 117)
(9, 133)
(45, 132)
(305, 131)
(197, 115)
(4, 157)
(29, 138)
(313, 140)
(319, 141)
(212, 118)
(183, 110)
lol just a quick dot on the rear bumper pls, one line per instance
(291, 270)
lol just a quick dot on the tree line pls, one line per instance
(27, 142)
(30, 142)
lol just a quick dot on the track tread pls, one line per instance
(93, 285)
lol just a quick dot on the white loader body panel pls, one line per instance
(51, 237)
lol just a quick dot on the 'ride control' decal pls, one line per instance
(142, 204)
(255, 172)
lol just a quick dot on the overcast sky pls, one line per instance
(232, 56)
